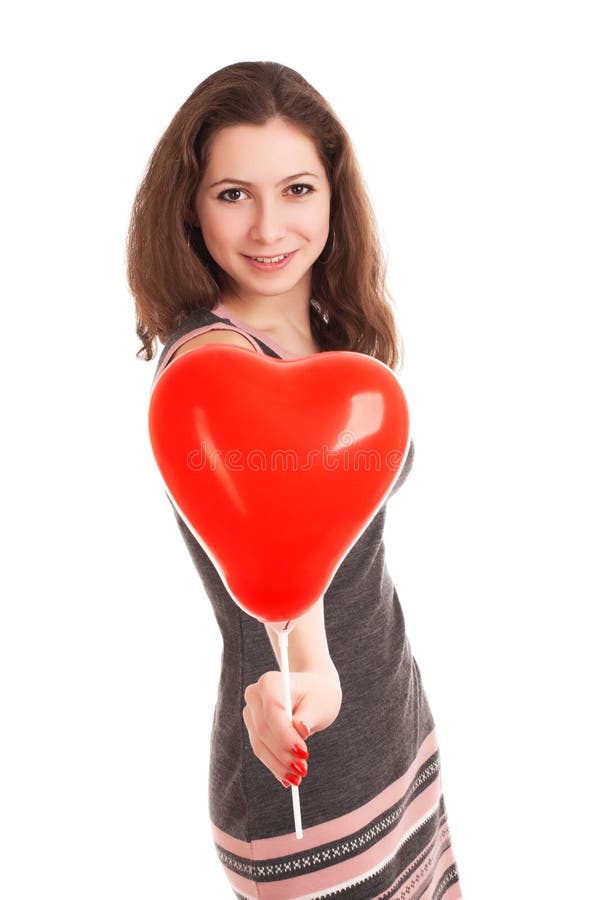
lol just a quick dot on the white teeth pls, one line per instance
(272, 259)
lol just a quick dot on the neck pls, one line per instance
(270, 314)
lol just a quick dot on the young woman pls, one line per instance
(252, 227)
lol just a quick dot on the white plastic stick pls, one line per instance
(287, 699)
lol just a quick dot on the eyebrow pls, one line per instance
(249, 183)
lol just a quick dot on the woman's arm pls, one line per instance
(316, 699)
(277, 742)
(308, 650)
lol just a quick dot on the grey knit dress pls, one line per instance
(373, 812)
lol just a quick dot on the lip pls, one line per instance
(270, 267)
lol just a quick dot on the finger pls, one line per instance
(302, 729)
(291, 770)
(288, 749)
(287, 771)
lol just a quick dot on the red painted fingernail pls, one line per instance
(295, 779)
(285, 783)
(300, 767)
(300, 751)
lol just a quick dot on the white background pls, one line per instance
(476, 127)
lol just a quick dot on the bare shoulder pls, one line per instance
(215, 336)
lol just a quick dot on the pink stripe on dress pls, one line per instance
(453, 893)
(242, 885)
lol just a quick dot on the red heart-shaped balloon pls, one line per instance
(277, 466)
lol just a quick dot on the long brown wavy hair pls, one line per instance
(169, 270)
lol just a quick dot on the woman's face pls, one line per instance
(264, 193)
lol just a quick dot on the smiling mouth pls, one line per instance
(270, 259)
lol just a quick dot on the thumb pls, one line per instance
(299, 721)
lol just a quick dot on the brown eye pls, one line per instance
(229, 191)
(309, 188)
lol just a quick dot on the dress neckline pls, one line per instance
(221, 310)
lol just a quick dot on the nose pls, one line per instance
(268, 226)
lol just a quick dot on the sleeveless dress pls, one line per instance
(373, 811)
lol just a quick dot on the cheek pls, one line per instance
(323, 215)
(218, 228)
(314, 220)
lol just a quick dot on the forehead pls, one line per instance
(246, 151)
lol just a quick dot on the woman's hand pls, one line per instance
(277, 742)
